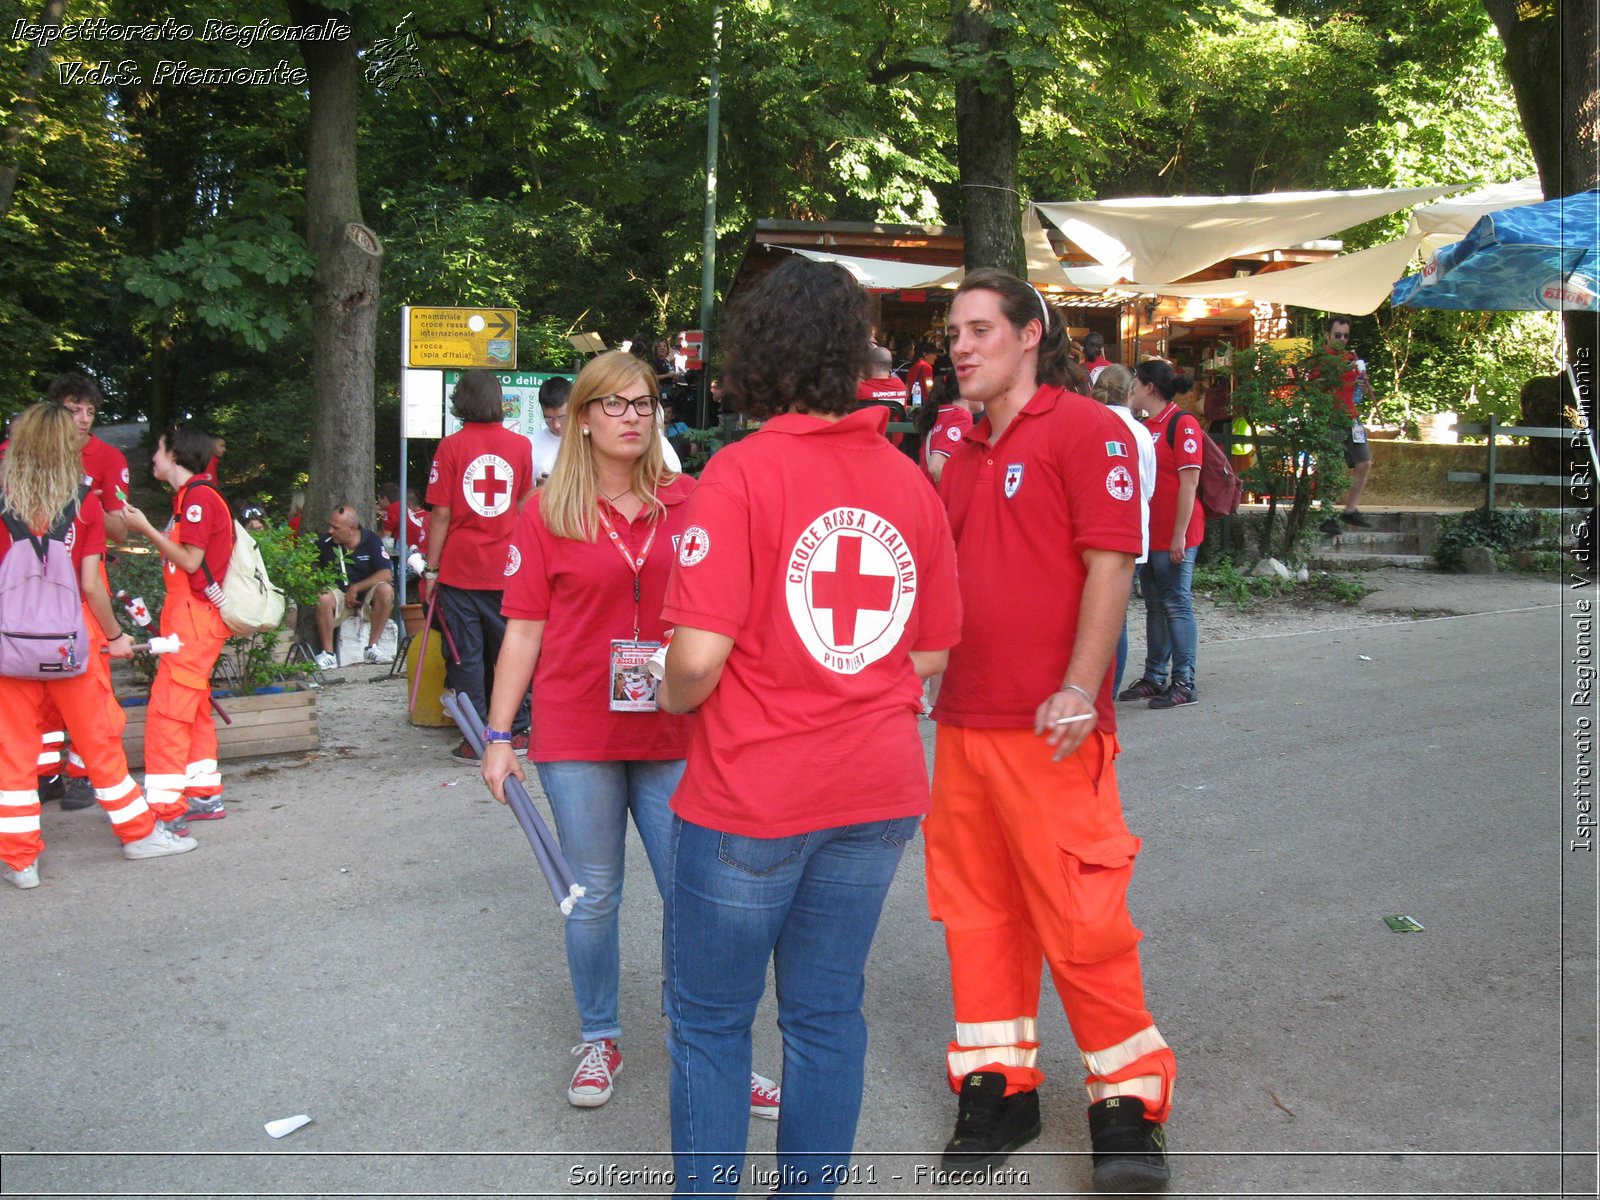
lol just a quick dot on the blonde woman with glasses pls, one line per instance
(585, 580)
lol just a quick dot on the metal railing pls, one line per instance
(1491, 477)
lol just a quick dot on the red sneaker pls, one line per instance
(591, 1082)
(764, 1097)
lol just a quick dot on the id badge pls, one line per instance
(633, 688)
(1358, 433)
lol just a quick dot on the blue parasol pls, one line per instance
(1533, 256)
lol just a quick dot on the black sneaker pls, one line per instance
(1176, 696)
(1130, 1151)
(51, 787)
(990, 1124)
(1141, 689)
(1355, 518)
(1332, 528)
(79, 793)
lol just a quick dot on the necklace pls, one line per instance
(619, 495)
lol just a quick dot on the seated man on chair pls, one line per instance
(364, 567)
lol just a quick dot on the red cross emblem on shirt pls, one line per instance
(848, 592)
(692, 544)
(489, 486)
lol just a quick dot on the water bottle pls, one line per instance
(916, 395)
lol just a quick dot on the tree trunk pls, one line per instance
(987, 141)
(1553, 61)
(344, 288)
(25, 111)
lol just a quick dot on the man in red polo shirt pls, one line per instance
(1027, 852)
(481, 478)
(1354, 386)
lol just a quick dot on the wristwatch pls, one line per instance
(495, 735)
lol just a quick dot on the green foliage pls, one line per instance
(1226, 584)
(1473, 364)
(237, 282)
(257, 661)
(293, 565)
(1503, 530)
(1297, 427)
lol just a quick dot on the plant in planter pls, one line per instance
(292, 564)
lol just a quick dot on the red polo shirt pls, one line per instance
(583, 592)
(105, 470)
(482, 473)
(1187, 452)
(200, 517)
(816, 547)
(1062, 479)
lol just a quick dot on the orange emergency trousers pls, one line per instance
(87, 707)
(54, 739)
(1029, 859)
(180, 738)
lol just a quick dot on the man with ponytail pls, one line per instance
(1028, 856)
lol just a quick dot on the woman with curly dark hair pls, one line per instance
(815, 585)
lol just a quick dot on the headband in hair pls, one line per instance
(1044, 308)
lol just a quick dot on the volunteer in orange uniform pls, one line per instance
(815, 583)
(180, 739)
(105, 471)
(481, 476)
(39, 486)
(1027, 852)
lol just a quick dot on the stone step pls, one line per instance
(1377, 541)
(1326, 559)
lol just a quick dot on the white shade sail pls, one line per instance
(1169, 237)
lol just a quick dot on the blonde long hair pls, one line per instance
(43, 468)
(570, 500)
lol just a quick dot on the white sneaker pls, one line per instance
(326, 661)
(374, 655)
(26, 878)
(158, 843)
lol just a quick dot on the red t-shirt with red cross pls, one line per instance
(949, 427)
(483, 472)
(814, 545)
(105, 470)
(583, 591)
(200, 517)
(1062, 479)
(416, 526)
(1186, 453)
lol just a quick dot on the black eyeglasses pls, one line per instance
(615, 406)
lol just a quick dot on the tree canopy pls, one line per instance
(551, 159)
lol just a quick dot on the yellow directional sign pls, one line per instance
(462, 338)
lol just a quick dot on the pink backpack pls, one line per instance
(42, 633)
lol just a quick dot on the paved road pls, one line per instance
(385, 960)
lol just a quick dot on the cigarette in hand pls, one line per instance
(1073, 720)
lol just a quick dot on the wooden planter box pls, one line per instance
(273, 723)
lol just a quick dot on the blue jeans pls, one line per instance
(811, 904)
(1170, 630)
(591, 802)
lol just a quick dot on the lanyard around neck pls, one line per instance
(635, 565)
